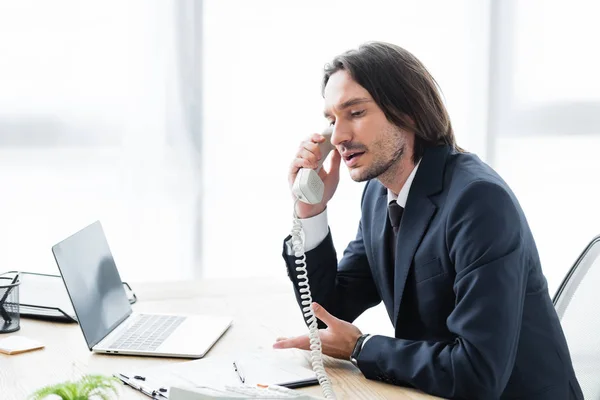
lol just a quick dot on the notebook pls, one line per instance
(44, 296)
(289, 368)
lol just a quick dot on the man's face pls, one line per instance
(368, 142)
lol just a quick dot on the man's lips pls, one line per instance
(352, 157)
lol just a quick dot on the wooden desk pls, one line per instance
(261, 309)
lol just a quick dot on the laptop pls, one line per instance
(105, 316)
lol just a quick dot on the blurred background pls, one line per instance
(173, 122)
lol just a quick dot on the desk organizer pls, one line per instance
(9, 305)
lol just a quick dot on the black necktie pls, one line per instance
(395, 215)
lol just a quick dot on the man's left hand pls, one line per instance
(338, 340)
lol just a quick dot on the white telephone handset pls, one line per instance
(309, 188)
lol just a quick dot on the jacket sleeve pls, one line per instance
(345, 290)
(484, 237)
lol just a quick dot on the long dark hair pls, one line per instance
(402, 87)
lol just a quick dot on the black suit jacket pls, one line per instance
(472, 314)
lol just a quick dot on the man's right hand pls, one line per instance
(308, 156)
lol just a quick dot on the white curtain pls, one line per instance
(99, 119)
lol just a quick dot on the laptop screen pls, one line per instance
(93, 282)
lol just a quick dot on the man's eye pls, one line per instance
(331, 122)
(357, 113)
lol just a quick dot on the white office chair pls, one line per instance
(577, 303)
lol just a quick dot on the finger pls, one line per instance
(308, 151)
(323, 315)
(313, 157)
(310, 147)
(300, 163)
(334, 165)
(279, 339)
(300, 342)
(336, 159)
(317, 138)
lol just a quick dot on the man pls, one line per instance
(460, 276)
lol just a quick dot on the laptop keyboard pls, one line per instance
(147, 332)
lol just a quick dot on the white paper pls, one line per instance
(264, 367)
(16, 344)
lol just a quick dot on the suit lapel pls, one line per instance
(415, 220)
(417, 215)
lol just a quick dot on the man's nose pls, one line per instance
(341, 134)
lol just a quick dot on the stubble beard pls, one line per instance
(383, 168)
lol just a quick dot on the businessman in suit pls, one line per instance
(442, 241)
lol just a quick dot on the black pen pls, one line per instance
(5, 315)
(15, 279)
(239, 372)
(301, 384)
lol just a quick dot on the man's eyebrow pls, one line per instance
(350, 103)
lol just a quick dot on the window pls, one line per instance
(98, 120)
(545, 122)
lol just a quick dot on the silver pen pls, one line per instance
(239, 372)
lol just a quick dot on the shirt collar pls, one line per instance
(403, 195)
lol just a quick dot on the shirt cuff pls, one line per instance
(315, 231)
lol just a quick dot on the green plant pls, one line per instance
(88, 387)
